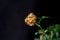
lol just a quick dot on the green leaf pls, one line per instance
(40, 31)
(43, 17)
(57, 34)
(46, 37)
(51, 27)
(36, 39)
(46, 30)
(56, 39)
(57, 27)
(36, 33)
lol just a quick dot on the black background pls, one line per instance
(13, 12)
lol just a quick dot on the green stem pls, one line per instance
(51, 35)
(38, 26)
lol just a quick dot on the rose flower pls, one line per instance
(30, 19)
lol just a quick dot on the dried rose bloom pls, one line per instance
(30, 19)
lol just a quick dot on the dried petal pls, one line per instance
(30, 19)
